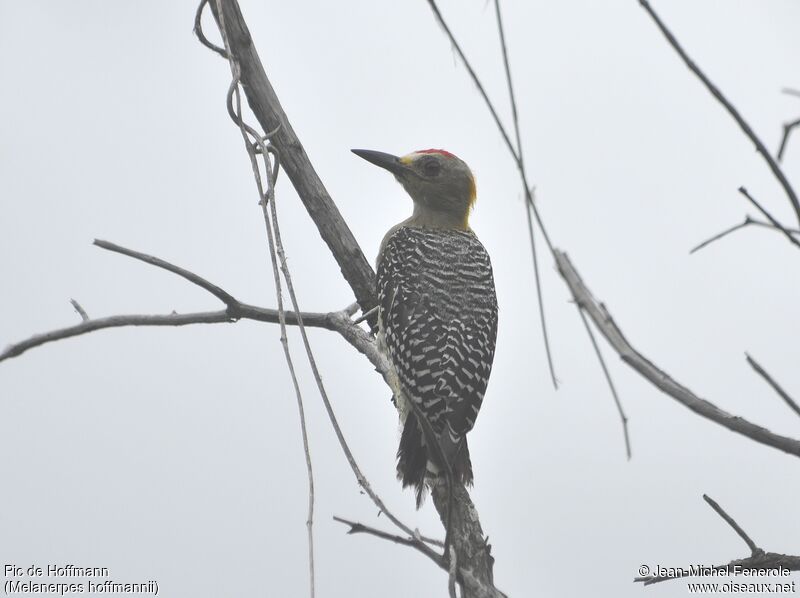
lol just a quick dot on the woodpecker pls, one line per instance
(437, 313)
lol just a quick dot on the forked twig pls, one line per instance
(743, 125)
(759, 560)
(748, 221)
(770, 217)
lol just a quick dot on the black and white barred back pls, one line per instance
(438, 322)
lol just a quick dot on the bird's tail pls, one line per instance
(415, 462)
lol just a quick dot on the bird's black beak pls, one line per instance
(382, 159)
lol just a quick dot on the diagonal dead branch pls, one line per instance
(775, 386)
(660, 379)
(295, 162)
(730, 521)
(743, 125)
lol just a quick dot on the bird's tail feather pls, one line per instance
(413, 458)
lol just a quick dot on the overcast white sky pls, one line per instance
(175, 454)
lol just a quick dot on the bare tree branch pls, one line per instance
(413, 541)
(87, 326)
(775, 386)
(337, 321)
(219, 293)
(746, 129)
(769, 217)
(605, 324)
(757, 561)
(730, 521)
(748, 221)
(245, 311)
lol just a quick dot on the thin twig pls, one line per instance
(78, 308)
(769, 217)
(748, 221)
(539, 299)
(412, 540)
(791, 92)
(759, 560)
(787, 129)
(746, 129)
(775, 386)
(476, 81)
(526, 190)
(219, 293)
(611, 386)
(730, 521)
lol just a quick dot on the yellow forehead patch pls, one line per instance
(408, 158)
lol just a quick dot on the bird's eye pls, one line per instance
(431, 167)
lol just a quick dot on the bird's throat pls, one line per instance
(427, 217)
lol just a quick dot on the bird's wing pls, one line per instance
(439, 319)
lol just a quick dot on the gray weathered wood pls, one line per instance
(295, 162)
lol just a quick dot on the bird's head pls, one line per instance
(441, 185)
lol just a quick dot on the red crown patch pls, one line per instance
(444, 153)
